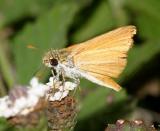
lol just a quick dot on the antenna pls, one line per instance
(30, 46)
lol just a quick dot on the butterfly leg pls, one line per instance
(58, 82)
(77, 82)
(55, 79)
(62, 79)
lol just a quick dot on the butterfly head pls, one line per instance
(51, 59)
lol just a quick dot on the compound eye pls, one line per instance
(54, 62)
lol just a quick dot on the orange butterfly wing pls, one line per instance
(104, 56)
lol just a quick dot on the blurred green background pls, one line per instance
(48, 24)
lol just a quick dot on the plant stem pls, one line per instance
(2, 88)
(5, 68)
(62, 115)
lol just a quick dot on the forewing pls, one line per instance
(107, 40)
(104, 56)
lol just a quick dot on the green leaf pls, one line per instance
(100, 21)
(4, 125)
(97, 100)
(14, 10)
(49, 31)
(139, 56)
(148, 17)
